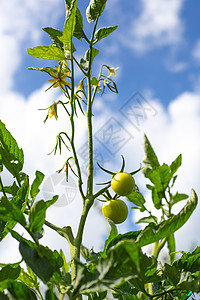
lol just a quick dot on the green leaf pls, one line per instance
(49, 295)
(41, 260)
(160, 176)
(10, 212)
(69, 26)
(20, 200)
(192, 285)
(172, 273)
(54, 34)
(18, 290)
(9, 272)
(84, 62)
(150, 159)
(153, 233)
(39, 176)
(176, 164)
(20, 238)
(189, 261)
(121, 264)
(11, 155)
(132, 235)
(47, 52)
(178, 197)
(171, 246)
(95, 9)
(47, 70)
(37, 216)
(150, 219)
(78, 31)
(12, 189)
(103, 32)
(38, 213)
(1, 164)
(137, 198)
(113, 233)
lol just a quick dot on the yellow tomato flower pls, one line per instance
(98, 86)
(80, 87)
(112, 71)
(59, 79)
(53, 111)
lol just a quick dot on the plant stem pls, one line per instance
(80, 182)
(89, 199)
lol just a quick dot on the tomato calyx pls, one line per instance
(114, 173)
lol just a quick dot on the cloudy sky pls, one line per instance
(157, 50)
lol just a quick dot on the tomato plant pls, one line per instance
(116, 210)
(121, 266)
(122, 183)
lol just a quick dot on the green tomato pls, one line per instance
(123, 183)
(116, 210)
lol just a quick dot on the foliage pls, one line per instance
(122, 267)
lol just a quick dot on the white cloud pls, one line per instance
(177, 67)
(159, 24)
(21, 22)
(196, 51)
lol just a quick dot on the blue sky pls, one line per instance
(164, 61)
(157, 50)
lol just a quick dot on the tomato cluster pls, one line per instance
(115, 209)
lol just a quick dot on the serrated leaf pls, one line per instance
(132, 235)
(171, 245)
(49, 295)
(78, 31)
(69, 26)
(103, 32)
(47, 70)
(189, 261)
(47, 52)
(121, 264)
(18, 290)
(20, 200)
(38, 213)
(113, 233)
(155, 233)
(39, 176)
(41, 260)
(176, 164)
(10, 212)
(137, 198)
(150, 159)
(84, 62)
(150, 219)
(9, 272)
(11, 155)
(178, 197)
(95, 9)
(54, 34)
(37, 216)
(172, 273)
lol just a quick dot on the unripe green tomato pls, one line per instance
(123, 183)
(116, 210)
